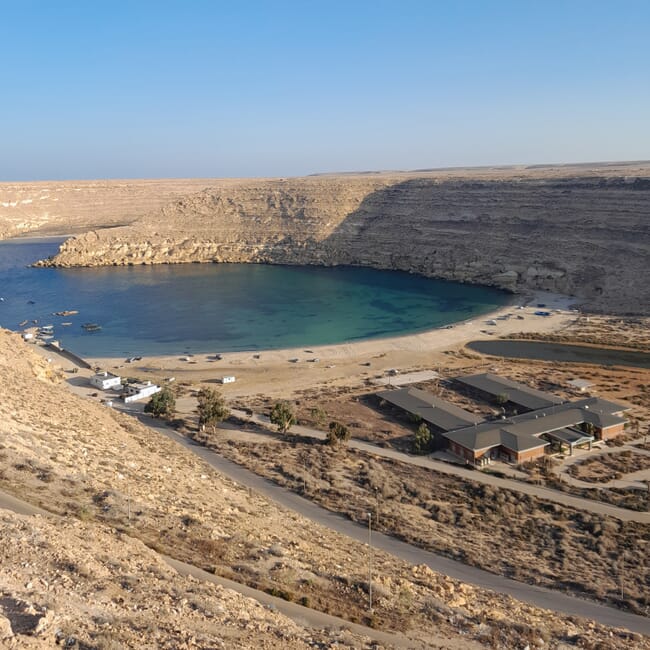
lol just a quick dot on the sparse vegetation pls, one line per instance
(282, 416)
(211, 407)
(338, 434)
(608, 467)
(162, 404)
(477, 524)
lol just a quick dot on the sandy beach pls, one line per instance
(283, 372)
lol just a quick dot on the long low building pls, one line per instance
(522, 396)
(516, 439)
(439, 414)
(525, 437)
(137, 390)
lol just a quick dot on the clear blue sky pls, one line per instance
(117, 89)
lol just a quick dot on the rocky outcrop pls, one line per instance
(579, 231)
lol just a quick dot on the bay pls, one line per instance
(201, 308)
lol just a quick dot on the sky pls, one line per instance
(200, 88)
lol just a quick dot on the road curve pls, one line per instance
(531, 594)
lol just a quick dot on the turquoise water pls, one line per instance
(200, 308)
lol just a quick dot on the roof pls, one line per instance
(518, 394)
(106, 375)
(523, 431)
(479, 438)
(139, 385)
(430, 408)
(570, 436)
(580, 383)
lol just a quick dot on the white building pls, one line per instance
(227, 380)
(580, 384)
(105, 380)
(136, 391)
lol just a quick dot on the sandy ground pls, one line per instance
(273, 373)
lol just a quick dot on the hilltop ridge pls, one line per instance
(577, 230)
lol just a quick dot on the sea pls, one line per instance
(214, 308)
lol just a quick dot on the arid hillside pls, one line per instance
(118, 483)
(578, 230)
(78, 585)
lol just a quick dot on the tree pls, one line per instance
(422, 441)
(318, 414)
(502, 398)
(211, 407)
(161, 404)
(337, 433)
(282, 416)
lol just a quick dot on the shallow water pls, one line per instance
(567, 353)
(199, 308)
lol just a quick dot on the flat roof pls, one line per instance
(140, 385)
(106, 375)
(580, 383)
(431, 409)
(570, 436)
(518, 394)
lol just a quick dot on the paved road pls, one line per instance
(9, 502)
(303, 616)
(537, 596)
(589, 505)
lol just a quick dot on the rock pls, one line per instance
(514, 231)
(6, 631)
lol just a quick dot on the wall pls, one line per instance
(610, 432)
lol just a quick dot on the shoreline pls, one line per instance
(285, 371)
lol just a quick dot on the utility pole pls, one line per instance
(377, 507)
(370, 562)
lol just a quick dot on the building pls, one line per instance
(441, 416)
(136, 391)
(581, 385)
(105, 381)
(547, 421)
(227, 380)
(519, 396)
(525, 437)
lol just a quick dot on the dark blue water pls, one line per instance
(224, 307)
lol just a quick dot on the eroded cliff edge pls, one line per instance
(583, 232)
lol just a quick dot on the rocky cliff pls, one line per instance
(583, 231)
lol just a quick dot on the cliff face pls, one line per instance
(64, 207)
(577, 231)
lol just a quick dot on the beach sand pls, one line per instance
(273, 372)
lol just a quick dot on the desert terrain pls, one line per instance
(125, 497)
(114, 479)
